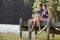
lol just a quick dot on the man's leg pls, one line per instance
(31, 21)
(38, 23)
(41, 19)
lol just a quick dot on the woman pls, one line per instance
(46, 13)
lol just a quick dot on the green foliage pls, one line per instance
(42, 36)
(9, 36)
(35, 6)
(53, 6)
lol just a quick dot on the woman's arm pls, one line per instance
(49, 14)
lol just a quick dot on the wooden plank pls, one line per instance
(41, 31)
(47, 34)
(54, 24)
(54, 31)
(20, 27)
(25, 27)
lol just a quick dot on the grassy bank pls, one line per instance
(40, 37)
(14, 36)
(9, 36)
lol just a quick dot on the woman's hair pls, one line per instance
(40, 5)
(45, 5)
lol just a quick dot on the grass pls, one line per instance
(13, 36)
(42, 36)
(9, 36)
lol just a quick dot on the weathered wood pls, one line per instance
(29, 34)
(20, 27)
(35, 31)
(52, 36)
(41, 31)
(54, 24)
(55, 31)
(24, 26)
(47, 34)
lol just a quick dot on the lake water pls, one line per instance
(9, 28)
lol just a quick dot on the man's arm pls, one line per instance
(37, 15)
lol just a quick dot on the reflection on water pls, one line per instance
(9, 28)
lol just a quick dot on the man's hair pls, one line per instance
(40, 5)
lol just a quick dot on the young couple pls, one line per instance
(41, 15)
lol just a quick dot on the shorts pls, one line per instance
(47, 20)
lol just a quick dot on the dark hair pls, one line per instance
(45, 5)
(40, 5)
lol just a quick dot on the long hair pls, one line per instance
(45, 5)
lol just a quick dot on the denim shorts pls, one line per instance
(47, 20)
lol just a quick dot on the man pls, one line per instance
(38, 17)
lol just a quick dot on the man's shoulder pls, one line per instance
(38, 10)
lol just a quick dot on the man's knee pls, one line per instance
(30, 21)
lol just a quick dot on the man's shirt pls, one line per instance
(39, 12)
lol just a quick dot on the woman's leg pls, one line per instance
(35, 21)
(41, 19)
(38, 22)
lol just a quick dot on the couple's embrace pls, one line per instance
(41, 15)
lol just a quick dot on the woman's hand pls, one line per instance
(46, 14)
(43, 13)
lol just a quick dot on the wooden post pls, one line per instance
(52, 36)
(40, 31)
(47, 34)
(29, 34)
(35, 31)
(20, 27)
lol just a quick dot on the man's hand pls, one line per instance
(38, 16)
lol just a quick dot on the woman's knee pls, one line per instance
(41, 19)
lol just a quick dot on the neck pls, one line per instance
(40, 9)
